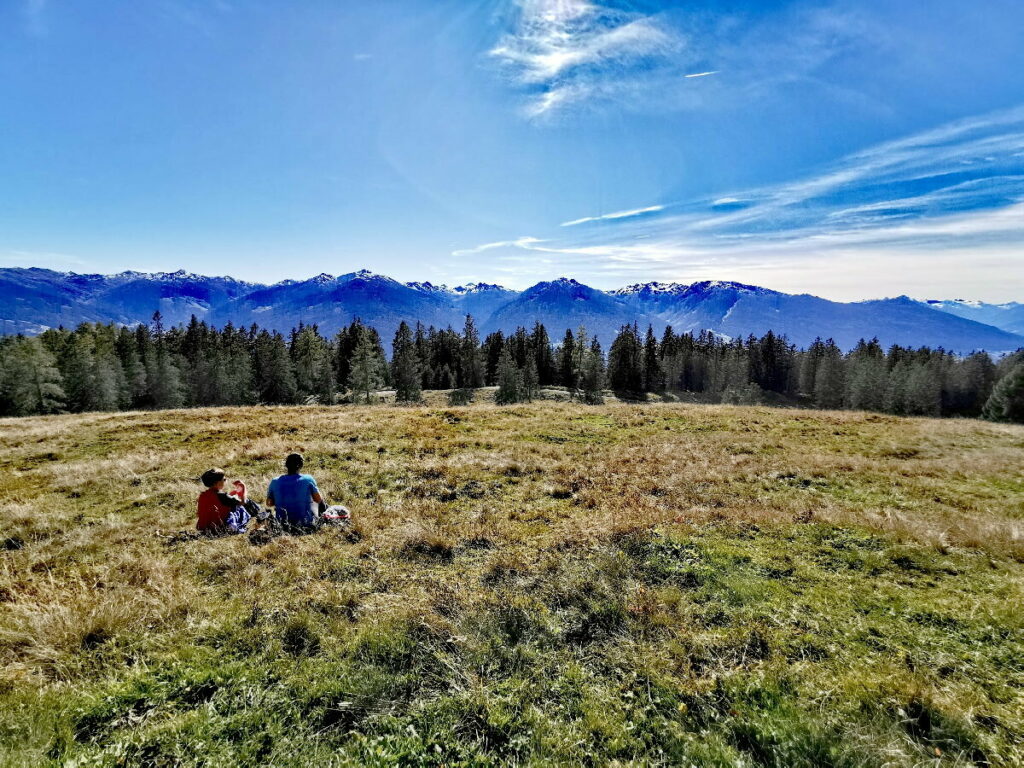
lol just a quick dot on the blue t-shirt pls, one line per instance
(293, 498)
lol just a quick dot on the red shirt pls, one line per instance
(214, 508)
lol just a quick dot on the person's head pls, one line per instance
(213, 478)
(293, 463)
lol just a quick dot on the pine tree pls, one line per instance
(895, 400)
(365, 377)
(566, 370)
(625, 362)
(543, 355)
(924, 390)
(828, 378)
(1006, 403)
(653, 380)
(30, 382)
(531, 381)
(866, 377)
(471, 365)
(275, 380)
(970, 385)
(510, 380)
(593, 376)
(163, 374)
(308, 350)
(809, 361)
(405, 373)
(491, 352)
(76, 366)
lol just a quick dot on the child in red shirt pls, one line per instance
(220, 512)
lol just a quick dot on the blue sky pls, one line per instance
(847, 149)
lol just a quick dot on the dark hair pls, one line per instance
(294, 462)
(212, 476)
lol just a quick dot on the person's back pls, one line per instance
(294, 494)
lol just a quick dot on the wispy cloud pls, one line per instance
(522, 242)
(566, 51)
(936, 213)
(44, 259)
(566, 54)
(613, 216)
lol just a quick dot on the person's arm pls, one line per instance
(227, 501)
(270, 494)
(314, 494)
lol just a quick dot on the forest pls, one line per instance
(98, 367)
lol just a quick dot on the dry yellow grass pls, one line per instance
(88, 579)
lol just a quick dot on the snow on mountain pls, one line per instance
(33, 299)
(566, 303)
(1008, 317)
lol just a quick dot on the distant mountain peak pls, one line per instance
(478, 288)
(703, 286)
(368, 276)
(460, 290)
(427, 287)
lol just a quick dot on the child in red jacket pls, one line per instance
(220, 512)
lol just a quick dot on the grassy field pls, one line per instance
(662, 584)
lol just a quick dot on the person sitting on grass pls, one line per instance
(294, 494)
(220, 512)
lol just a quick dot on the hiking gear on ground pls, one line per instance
(336, 514)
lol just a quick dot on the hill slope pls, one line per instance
(544, 584)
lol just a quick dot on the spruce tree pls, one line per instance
(625, 362)
(866, 377)
(1006, 403)
(593, 376)
(491, 352)
(566, 370)
(275, 380)
(510, 380)
(365, 376)
(405, 372)
(471, 365)
(924, 391)
(543, 356)
(652, 371)
(828, 378)
(30, 382)
(531, 381)
(77, 370)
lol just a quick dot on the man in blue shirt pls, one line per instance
(295, 494)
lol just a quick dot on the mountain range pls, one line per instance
(33, 299)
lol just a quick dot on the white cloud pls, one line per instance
(616, 215)
(701, 74)
(899, 217)
(568, 50)
(522, 242)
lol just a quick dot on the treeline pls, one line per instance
(106, 367)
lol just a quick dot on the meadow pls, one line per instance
(546, 583)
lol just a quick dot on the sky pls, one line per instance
(852, 150)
